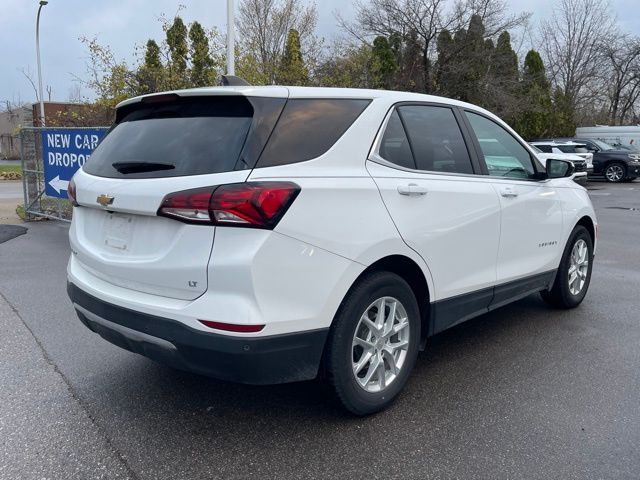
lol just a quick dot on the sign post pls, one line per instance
(64, 151)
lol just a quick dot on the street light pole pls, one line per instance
(231, 67)
(42, 4)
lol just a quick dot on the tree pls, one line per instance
(464, 62)
(572, 43)
(179, 51)
(426, 19)
(384, 63)
(203, 72)
(534, 120)
(623, 60)
(505, 60)
(292, 70)
(445, 78)
(472, 60)
(563, 123)
(151, 72)
(408, 53)
(109, 78)
(263, 27)
(503, 93)
(347, 66)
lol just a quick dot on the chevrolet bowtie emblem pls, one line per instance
(104, 200)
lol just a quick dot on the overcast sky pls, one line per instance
(124, 23)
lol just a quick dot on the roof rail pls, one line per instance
(233, 81)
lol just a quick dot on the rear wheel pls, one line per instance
(373, 343)
(574, 274)
(615, 172)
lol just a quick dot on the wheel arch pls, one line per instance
(587, 222)
(406, 268)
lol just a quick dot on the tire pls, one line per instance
(564, 293)
(615, 172)
(342, 353)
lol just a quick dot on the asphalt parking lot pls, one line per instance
(522, 392)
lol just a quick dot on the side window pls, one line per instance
(436, 139)
(503, 154)
(394, 146)
(308, 127)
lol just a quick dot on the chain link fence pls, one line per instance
(36, 203)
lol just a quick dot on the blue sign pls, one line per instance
(64, 151)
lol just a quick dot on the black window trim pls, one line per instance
(375, 156)
(478, 148)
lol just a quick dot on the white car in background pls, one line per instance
(572, 151)
(269, 234)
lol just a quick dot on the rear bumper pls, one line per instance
(253, 360)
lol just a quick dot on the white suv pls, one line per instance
(267, 235)
(572, 151)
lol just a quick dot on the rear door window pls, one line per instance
(435, 138)
(308, 127)
(185, 136)
(394, 145)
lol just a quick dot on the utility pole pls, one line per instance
(42, 4)
(231, 64)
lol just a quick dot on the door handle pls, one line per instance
(412, 190)
(509, 192)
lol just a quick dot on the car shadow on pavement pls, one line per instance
(144, 389)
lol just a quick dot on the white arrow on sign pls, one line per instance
(58, 184)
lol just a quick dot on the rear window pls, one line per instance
(185, 136)
(308, 128)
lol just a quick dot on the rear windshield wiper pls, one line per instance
(139, 167)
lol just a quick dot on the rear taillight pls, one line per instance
(251, 204)
(71, 192)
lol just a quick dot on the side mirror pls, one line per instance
(557, 168)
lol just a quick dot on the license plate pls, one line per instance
(118, 230)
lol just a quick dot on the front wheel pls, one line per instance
(615, 172)
(373, 343)
(574, 274)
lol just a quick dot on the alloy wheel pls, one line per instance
(380, 344)
(578, 267)
(614, 173)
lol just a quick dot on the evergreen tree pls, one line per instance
(152, 56)
(150, 73)
(563, 123)
(502, 91)
(505, 60)
(202, 66)
(384, 63)
(409, 75)
(444, 78)
(178, 51)
(535, 118)
(292, 70)
(473, 62)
